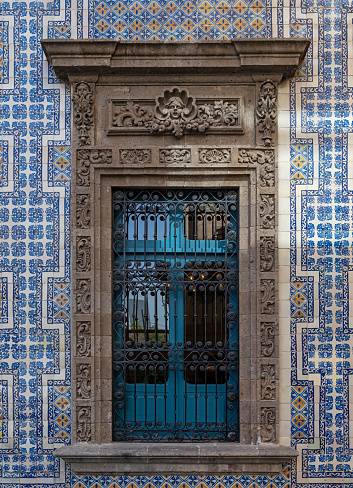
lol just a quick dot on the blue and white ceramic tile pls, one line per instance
(35, 287)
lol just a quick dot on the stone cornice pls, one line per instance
(87, 57)
(170, 459)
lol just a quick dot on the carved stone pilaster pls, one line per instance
(266, 111)
(83, 105)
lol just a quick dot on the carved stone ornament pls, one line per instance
(176, 112)
(268, 331)
(175, 156)
(83, 111)
(214, 155)
(86, 157)
(267, 296)
(267, 253)
(83, 296)
(83, 381)
(83, 254)
(267, 211)
(83, 211)
(135, 156)
(83, 339)
(265, 158)
(83, 424)
(266, 111)
(268, 424)
(268, 382)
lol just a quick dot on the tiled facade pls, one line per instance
(315, 230)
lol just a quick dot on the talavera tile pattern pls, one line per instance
(315, 229)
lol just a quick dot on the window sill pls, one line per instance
(175, 459)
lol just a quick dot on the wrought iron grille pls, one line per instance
(175, 313)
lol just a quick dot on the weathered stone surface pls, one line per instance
(170, 459)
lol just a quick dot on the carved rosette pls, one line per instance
(214, 155)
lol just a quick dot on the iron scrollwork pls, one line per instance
(175, 317)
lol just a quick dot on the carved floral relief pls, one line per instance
(176, 112)
(267, 253)
(266, 111)
(175, 156)
(214, 155)
(83, 111)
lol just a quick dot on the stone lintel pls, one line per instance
(175, 459)
(80, 57)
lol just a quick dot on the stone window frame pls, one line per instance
(95, 172)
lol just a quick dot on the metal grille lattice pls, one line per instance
(175, 313)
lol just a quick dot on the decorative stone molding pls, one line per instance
(84, 429)
(176, 112)
(86, 157)
(268, 299)
(83, 338)
(268, 382)
(83, 296)
(215, 155)
(235, 131)
(267, 253)
(135, 156)
(267, 211)
(83, 111)
(175, 156)
(268, 424)
(83, 254)
(265, 158)
(268, 332)
(83, 211)
(83, 381)
(267, 111)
